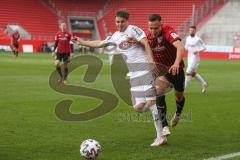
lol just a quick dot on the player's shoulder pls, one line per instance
(197, 37)
(188, 37)
(130, 26)
(133, 28)
(167, 28)
(58, 33)
(148, 35)
(69, 33)
(114, 35)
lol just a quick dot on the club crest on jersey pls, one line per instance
(159, 39)
(124, 45)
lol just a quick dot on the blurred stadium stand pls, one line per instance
(34, 17)
(224, 27)
(40, 18)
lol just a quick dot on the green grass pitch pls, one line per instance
(30, 129)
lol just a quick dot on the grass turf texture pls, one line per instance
(30, 129)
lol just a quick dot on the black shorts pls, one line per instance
(177, 80)
(16, 45)
(63, 57)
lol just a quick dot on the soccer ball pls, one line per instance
(90, 149)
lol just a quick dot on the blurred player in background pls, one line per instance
(15, 38)
(194, 45)
(167, 50)
(62, 50)
(137, 57)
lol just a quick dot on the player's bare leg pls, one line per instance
(180, 101)
(14, 52)
(59, 70)
(65, 72)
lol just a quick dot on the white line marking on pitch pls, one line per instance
(226, 156)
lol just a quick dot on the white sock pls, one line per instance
(200, 79)
(110, 59)
(156, 120)
(187, 80)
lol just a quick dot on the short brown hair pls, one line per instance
(154, 17)
(193, 27)
(122, 13)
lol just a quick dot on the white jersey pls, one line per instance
(132, 53)
(193, 45)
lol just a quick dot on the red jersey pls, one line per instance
(163, 50)
(15, 37)
(63, 42)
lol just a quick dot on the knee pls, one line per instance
(193, 74)
(58, 65)
(161, 101)
(139, 107)
(151, 102)
(179, 97)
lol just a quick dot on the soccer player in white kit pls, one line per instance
(138, 57)
(194, 45)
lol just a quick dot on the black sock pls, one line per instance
(17, 53)
(65, 73)
(58, 68)
(162, 109)
(14, 53)
(180, 106)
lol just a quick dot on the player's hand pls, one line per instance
(71, 55)
(132, 40)
(195, 52)
(53, 54)
(174, 69)
(77, 40)
(74, 39)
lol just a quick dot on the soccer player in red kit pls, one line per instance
(62, 49)
(167, 50)
(15, 38)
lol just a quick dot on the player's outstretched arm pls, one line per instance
(174, 69)
(94, 44)
(148, 49)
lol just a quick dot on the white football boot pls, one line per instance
(204, 88)
(159, 141)
(166, 131)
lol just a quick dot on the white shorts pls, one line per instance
(192, 65)
(142, 89)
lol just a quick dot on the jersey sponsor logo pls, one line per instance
(174, 35)
(63, 38)
(159, 48)
(124, 45)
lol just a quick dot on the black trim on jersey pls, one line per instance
(55, 45)
(176, 40)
